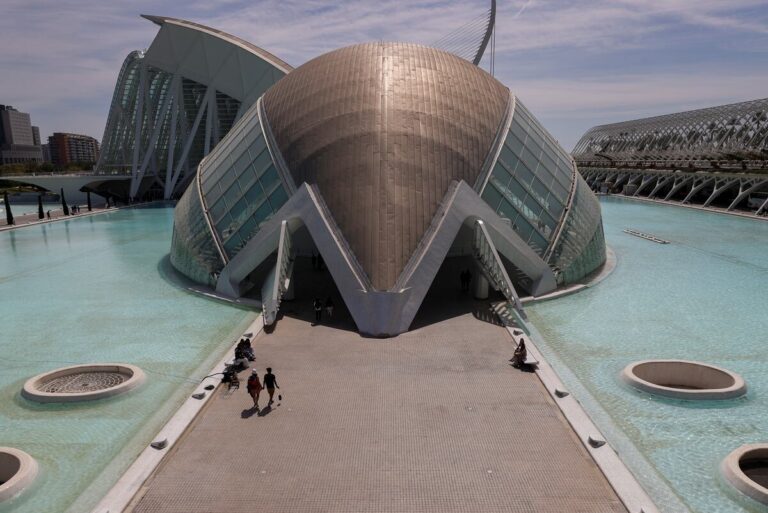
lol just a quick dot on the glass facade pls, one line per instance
(530, 185)
(530, 182)
(240, 184)
(241, 189)
(581, 247)
(119, 134)
(193, 250)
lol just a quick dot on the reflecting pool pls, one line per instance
(702, 297)
(91, 290)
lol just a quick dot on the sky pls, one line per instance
(574, 63)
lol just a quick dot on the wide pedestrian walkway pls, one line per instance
(434, 420)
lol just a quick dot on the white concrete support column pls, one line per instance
(137, 124)
(150, 153)
(210, 101)
(190, 137)
(697, 188)
(720, 187)
(745, 189)
(175, 108)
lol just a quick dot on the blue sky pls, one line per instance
(574, 63)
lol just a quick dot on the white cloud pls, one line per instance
(64, 57)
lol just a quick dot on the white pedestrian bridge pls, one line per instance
(76, 186)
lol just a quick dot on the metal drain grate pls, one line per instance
(83, 382)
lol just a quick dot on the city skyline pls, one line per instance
(578, 64)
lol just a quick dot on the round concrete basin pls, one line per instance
(682, 379)
(746, 469)
(83, 383)
(17, 471)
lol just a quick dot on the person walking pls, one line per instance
(254, 388)
(318, 306)
(270, 383)
(329, 307)
(48, 214)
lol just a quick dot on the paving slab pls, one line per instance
(434, 420)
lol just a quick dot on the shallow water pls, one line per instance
(91, 290)
(702, 297)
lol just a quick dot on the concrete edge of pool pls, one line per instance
(17, 471)
(606, 270)
(732, 469)
(684, 379)
(95, 212)
(122, 493)
(621, 479)
(34, 388)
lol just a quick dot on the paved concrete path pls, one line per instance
(434, 420)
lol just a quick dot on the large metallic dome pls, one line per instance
(389, 160)
(382, 129)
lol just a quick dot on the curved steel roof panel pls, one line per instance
(208, 56)
(382, 129)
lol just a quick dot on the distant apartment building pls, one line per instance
(68, 149)
(17, 137)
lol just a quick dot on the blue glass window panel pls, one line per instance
(556, 209)
(263, 213)
(517, 191)
(213, 195)
(540, 190)
(218, 210)
(261, 161)
(238, 210)
(227, 180)
(242, 162)
(492, 197)
(247, 179)
(531, 161)
(232, 195)
(509, 158)
(506, 209)
(501, 176)
(523, 174)
(278, 198)
(517, 130)
(255, 195)
(233, 244)
(269, 179)
(514, 144)
(249, 228)
(559, 191)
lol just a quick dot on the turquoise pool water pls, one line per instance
(90, 290)
(702, 297)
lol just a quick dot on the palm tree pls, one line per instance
(64, 203)
(8, 214)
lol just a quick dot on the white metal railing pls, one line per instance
(492, 267)
(274, 289)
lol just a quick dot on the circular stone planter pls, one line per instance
(746, 469)
(17, 471)
(83, 383)
(682, 379)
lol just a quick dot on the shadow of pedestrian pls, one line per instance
(265, 411)
(249, 412)
(526, 367)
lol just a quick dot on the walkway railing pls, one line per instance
(279, 280)
(492, 266)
